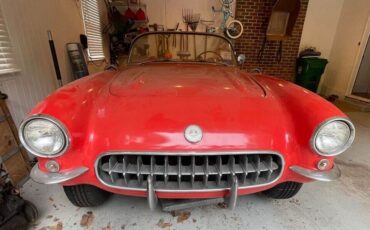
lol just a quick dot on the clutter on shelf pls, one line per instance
(127, 19)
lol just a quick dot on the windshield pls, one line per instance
(181, 47)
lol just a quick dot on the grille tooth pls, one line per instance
(166, 169)
(192, 171)
(206, 171)
(139, 163)
(244, 166)
(124, 169)
(219, 170)
(152, 165)
(257, 167)
(231, 163)
(179, 171)
(269, 166)
(112, 164)
(188, 172)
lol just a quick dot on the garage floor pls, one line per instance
(344, 204)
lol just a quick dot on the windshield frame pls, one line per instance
(186, 62)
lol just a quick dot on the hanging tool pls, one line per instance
(174, 41)
(191, 20)
(174, 35)
(209, 28)
(167, 53)
(183, 53)
(55, 59)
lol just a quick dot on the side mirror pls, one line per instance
(241, 59)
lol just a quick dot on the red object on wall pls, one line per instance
(255, 15)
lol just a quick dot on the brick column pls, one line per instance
(255, 15)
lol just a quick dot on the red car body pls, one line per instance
(135, 110)
(146, 108)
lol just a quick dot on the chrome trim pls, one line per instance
(326, 176)
(55, 178)
(188, 154)
(333, 119)
(54, 121)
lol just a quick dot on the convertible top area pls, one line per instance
(181, 47)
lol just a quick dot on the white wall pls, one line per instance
(169, 12)
(321, 24)
(345, 48)
(27, 23)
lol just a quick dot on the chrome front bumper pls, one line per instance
(325, 176)
(55, 178)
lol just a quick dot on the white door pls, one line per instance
(361, 88)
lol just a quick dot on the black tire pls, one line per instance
(30, 211)
(86, 195)
(284, 190)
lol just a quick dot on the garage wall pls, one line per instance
(27, 23)
(169, 12)
(345, 49)
(321, 25)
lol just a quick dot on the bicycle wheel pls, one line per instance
(234, 29)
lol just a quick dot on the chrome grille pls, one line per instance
(180, 171)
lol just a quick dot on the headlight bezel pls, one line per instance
(322, 125)
(54, 121)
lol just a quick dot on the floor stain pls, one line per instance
(355, 178)
(163, 224)
(87, 219)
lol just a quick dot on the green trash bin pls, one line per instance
(309, 72)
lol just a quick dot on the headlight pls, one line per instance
(43, 136)
(333, 137)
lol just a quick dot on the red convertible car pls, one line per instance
(182, 121)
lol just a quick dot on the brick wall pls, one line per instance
(255, 15)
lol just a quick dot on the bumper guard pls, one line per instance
(325, 176)
(55, 178)
(231, 199)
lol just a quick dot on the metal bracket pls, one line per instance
(233, 196)
(152, 197)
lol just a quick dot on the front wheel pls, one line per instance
(284, 190)
(234, 29)
(86, 195)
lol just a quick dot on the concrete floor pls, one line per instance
(344, 204)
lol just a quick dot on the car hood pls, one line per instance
(175, 80)
(150, 106)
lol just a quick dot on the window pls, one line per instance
(90, 12)
(7, 57)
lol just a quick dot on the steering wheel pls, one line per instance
(209, 51)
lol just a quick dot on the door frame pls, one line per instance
(364, 41)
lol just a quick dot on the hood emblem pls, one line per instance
(193, 134)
